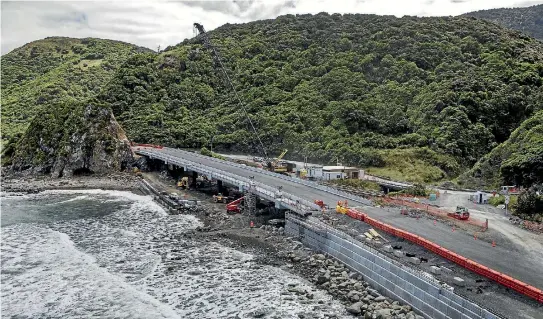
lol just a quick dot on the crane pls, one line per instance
(217, 58)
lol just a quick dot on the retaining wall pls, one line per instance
(390, 278)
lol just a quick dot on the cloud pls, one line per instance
(154, 23)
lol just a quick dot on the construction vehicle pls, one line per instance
(235, 206)
(461, 213)
(270, 164)
(183, 183)
(276, 165)
(220, 198)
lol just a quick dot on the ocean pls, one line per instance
(115, 254)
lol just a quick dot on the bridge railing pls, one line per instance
(291, 201)
(314, 185)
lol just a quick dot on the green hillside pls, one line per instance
(517, 161)
(420, 99)
(353, 87)
(55, 70)
(529, 20)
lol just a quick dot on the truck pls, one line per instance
(461, 213)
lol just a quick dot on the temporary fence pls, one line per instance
(433, 210)
(469, 264)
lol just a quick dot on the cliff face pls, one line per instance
(71, 140)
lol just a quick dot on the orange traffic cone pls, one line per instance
(475, 236)
(434, 222)
(453, 228)
(252, 224)
(493, 243)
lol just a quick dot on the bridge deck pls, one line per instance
(506, 258)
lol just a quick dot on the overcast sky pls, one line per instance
(154, 23)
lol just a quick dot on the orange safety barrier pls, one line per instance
(433, 211)
(469, 264)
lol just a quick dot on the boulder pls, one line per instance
(379, 299)
(355, 308)
(321, 279)
(383, 314)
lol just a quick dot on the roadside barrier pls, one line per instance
(146, 145)
(469, 264)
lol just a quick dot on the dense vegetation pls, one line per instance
(517, 161)
(528, 20)
(414, 98)
(440, 91)
(45, 73)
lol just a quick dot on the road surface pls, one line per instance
(506, 257)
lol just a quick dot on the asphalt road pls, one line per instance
(506, 257)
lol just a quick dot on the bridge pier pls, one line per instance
(385, 189)
(193, 181)
(220, 187)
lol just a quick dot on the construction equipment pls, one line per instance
(342, 207)
(220, 198)
(461, 213)
(321, 204)
(276, 165)
(183, 183)
(234, 207)
(217, 58)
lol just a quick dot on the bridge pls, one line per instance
(299, 195)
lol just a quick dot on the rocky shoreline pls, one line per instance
(273, 248)
(36, 184)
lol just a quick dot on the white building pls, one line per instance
(333, 172)
(479, 197)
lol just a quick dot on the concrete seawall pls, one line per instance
(391, 279)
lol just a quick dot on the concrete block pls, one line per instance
(399, 253)
(388, 248)
(435, 270)
(414, 260)
(368, 240)
(445, 269)
(459, 282)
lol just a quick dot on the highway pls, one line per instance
(507, 257)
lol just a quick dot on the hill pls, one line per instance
(420, 99)
(424, 97)
(517, 161)
(528, 20)
(55, 70)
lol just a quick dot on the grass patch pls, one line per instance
(357, 183)
(86, 64)
(415, 165)
(500, 200)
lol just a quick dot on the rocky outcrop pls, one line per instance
(72, 140)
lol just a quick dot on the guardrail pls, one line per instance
(464, 262)
(281, 176)
(289, 201)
